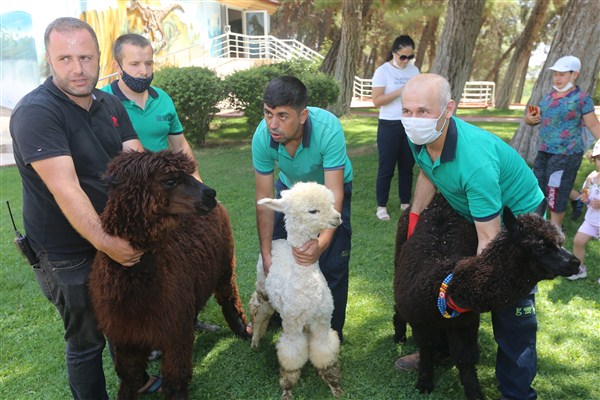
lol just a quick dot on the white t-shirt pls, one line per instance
(392, 78)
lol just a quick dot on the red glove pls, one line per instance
(413, 218)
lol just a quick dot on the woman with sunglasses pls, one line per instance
(392, 144)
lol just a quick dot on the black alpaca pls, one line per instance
(527, 250)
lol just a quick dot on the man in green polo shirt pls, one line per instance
(150, 109)
(307, 144)
(479, 174)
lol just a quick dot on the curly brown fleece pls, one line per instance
(187, 240)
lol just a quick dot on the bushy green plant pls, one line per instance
(196, 91)
(246, 87)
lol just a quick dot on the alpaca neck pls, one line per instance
(299, 235)
(481, 285)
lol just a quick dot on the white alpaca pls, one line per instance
(299, 293)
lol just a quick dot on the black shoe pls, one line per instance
(577, 209)
(205, 327)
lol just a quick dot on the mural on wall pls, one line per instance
(170, 26)
(20, 68)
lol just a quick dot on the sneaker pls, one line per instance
(577, 209)
(205, 327)
(409, 362)
(404, 206)
(382, 214)
(579, 275)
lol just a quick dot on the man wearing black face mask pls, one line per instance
(150, 109)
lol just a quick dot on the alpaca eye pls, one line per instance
(313, 211)
(170, 183)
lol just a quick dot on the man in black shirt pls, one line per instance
(64, 133)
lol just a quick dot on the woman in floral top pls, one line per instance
(560, 116)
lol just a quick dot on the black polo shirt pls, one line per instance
(45, 124)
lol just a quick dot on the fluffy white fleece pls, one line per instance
(299, 293)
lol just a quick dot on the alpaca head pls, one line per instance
(308, 208)
(543, 241)
(149, 192)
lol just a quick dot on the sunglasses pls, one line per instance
(404, 58)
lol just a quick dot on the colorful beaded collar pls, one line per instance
(444, 302)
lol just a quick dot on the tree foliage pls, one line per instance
(195, 91)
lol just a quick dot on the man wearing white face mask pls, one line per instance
(479, 174)
(560, 116)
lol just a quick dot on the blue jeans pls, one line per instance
(515, 330)
(393, 149)
(335, 260)
(64, 284)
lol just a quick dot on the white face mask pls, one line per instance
(568, 86)
(422, 131)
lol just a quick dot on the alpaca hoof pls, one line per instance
(255, 342)
(286, 395)
(424, 387)
(337, 391)
(400, 339)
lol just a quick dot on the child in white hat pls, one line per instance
(590, 228)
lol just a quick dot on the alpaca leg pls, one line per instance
(399, 328)
(260, 313)
(324, 350)
(292, 353)
(465, 353)
(176, 365)
(427, 340)
(130, 365)
(228, 297)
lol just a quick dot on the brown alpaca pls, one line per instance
(527, 250)
(186, 236)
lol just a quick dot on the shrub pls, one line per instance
(196, 91)
(246, 87)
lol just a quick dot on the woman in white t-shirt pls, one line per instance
(392, 144)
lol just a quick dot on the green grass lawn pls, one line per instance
(32, 348)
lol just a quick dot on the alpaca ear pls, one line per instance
(510, 223)
(273, 204)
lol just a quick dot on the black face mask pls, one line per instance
(138, 85)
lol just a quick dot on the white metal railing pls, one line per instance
(478, 94)
(363, 88)
(237, 45)
(475, 93)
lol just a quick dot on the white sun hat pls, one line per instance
(596, 149)
(566, 64)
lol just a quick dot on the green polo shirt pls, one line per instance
(156, 121)
(323, 148)
(479, 174)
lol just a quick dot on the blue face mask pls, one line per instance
(138, 85)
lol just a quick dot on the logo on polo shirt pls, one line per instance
(115, 121)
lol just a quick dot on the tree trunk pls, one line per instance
(328, 64)
(493, 74)
(345, 67)
(455, 58)
(520, 57)
(577, 35)
(523, 77)
(427, 39)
